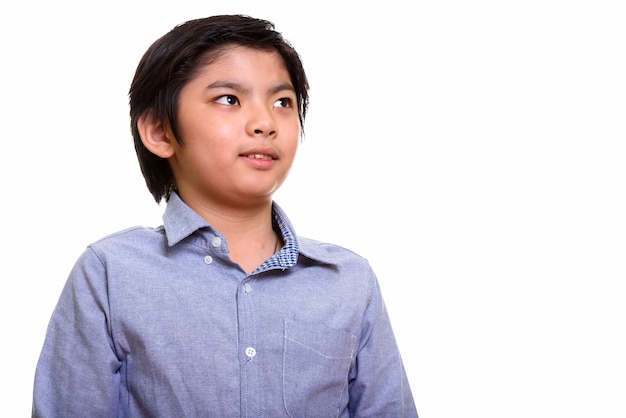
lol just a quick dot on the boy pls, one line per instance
(223, 311)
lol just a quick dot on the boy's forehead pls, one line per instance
(233, 56)
(240, 67)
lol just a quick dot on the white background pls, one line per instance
(474, 152)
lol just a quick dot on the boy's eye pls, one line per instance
(228, 100)
(284, 102)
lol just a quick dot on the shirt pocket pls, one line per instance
(316, 362)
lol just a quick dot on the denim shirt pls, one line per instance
(159, 322)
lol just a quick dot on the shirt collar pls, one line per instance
(180, 221)
(306, 247)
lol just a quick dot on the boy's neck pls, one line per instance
(247, 228)
(249, 234)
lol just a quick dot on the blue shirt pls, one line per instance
(159, 322)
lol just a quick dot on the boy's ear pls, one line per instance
(155, 135)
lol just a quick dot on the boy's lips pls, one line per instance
(260, 154)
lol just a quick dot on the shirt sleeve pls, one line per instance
(378, 383)
(77, 374)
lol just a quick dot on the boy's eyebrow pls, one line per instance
(281, 86)
(225, 84)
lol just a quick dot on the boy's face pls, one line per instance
(238, 121)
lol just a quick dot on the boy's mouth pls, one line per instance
(260, 156)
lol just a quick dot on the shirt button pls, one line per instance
(216, 242)
(208, 259)
(247, 288)
(250, 352)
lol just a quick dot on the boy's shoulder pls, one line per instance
(131, 236)
(335, 253)
(132, 232)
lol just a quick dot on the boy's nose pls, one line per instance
(260, 132)
(261, 122)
